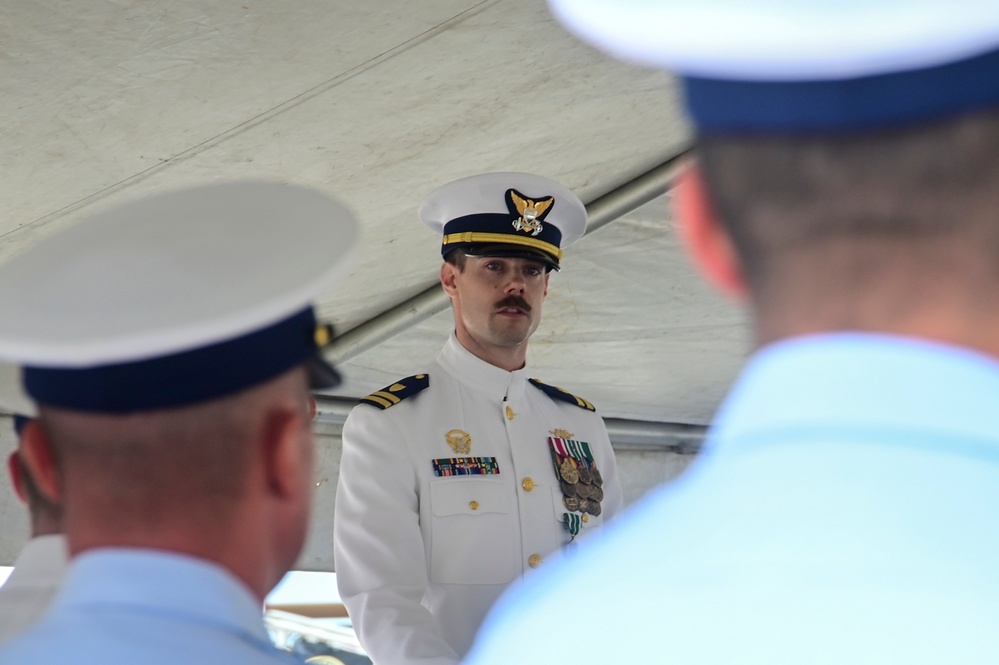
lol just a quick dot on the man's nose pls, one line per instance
(516, 284)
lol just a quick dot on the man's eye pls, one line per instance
(492, 266)
(533, 272)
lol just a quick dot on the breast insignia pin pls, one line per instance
(460, 441)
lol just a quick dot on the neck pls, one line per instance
(46, 529)
(936, 309)
(241, 550)
(508, 358)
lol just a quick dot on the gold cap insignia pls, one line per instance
(531, 212)
(460, 442)
(322, 335)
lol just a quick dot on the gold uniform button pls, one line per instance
(586, 518)
(474, 505)
(534, 561)
(528, 484)
(509, 413)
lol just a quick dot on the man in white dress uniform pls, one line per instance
(846, 185)
(456, 481)
(170, 344)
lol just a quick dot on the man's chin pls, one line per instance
(512, 338)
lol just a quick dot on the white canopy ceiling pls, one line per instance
(377, 103)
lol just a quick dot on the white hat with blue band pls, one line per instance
(176, 298)
(506, 214)
(806, 65)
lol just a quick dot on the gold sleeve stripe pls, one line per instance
(505, 238)
(378, 400)
(398, 391)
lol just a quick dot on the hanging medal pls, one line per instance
(579, 479)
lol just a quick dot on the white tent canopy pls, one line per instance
(378, 103)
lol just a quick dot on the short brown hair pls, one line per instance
(904, 187)
(456, 257)
(199, 455)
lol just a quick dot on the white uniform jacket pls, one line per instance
(447, 493)
(36, 578)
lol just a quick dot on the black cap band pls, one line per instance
(496, 229)
(860, 103)
(182, 378)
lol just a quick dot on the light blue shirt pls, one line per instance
(845, 510)
(148, 607)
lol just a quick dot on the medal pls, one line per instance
(578, 478)
(595, 472)
(569, 472)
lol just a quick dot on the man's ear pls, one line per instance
(16, 478)
(448, 273)
(40, 460)
(285, 461)
(706, 240)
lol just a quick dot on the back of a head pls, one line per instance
(859, 204)
(136, 476)
(833, 516)
(174, 407)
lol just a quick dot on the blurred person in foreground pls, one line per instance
(170, 344)
(846, 187)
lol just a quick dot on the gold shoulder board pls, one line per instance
(561, 395)
(398, 391)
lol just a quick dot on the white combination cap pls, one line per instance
(803, 65)
(176, 298)
(506, 214)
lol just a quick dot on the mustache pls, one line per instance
(514, 301)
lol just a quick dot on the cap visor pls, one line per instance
(322, 375)
(512, 252)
